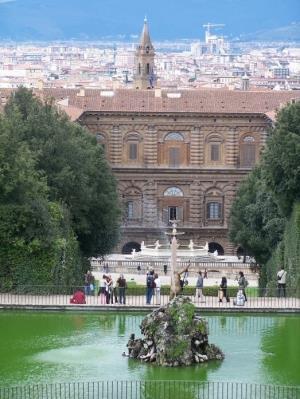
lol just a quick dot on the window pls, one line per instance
(213, 210)
(148, 69)
(173, 192)
(140, 69)
(174, 157)
(133, 151)
(215, 152)
(129, 210)
(175, 136)
(248, 152)
(172, 212)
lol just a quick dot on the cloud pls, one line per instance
(6, 1)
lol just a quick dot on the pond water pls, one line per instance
(46, 347)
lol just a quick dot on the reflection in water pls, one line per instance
(281, 349)
(48, 347)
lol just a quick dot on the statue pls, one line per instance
(143, 246)
(133, 252)
(175, 288)
(157, 244)
(216, 253)
(191, 245)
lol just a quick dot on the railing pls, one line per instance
(151, 390)
(134, 266)
(211, 297)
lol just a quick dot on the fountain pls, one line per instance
(174, 335)
(162, 252)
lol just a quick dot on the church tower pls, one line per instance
(144, 61)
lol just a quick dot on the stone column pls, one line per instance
(150, 147)
(116, 145)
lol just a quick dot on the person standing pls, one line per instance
(89, 282)
(199, 287)
(242, 282)
(150, 286)
(165, 269)
(223, 290)
(157, 288)
(122, 285)
(102, 290)
(281, 282)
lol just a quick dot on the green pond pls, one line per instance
(46, 347)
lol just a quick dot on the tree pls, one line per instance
(281, 158)
(255, 220)
(58, 198)
(73, 164)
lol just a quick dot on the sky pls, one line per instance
(168, 19)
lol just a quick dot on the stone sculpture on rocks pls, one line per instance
(174, 336)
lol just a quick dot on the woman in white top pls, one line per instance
(157, 288)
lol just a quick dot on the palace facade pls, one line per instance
(179, 155)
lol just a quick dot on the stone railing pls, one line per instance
(140, 266)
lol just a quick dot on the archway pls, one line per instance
(129, 246)
(214, 246)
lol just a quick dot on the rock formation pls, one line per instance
(174, 336)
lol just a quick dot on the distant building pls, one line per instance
(144, 61)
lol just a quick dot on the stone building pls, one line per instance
(176, 154)
(179, 154)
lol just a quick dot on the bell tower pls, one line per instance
(144, 61)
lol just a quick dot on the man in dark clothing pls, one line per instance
(150, 286)
(122, 287)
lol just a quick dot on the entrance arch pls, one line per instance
(129, 246)
(214, 246)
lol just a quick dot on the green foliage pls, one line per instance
(264, 202)
(281, 159)
(176, 349)
(287, 254)
(58, 199)
(255, 220)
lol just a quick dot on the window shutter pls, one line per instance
(179, 212)
(174, 157)
(132, 151)
(165, 215)
(247, 155)
(215, 152)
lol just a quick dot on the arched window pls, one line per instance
(213, 210)
(173, 192)
(132, 147)
(214, 149)
(175, 136)
(247, 152)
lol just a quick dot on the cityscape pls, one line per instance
(210, 62)
(149, 199)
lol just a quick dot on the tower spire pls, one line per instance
(144, 60)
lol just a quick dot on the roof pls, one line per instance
(174, 101)
(145, 36)
(205, 101)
